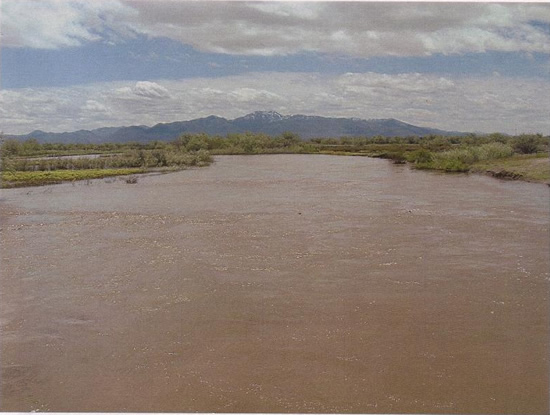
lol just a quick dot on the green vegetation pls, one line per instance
(462, 158)
(39, 178)
(521, 157)
(29, 163)
(524, 157)
(246, 143)
(530, 167)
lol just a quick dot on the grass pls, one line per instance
(530, 167)
(39, 178)
(24, 164)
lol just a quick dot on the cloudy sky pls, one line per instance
(81, 64)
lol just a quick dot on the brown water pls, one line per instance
(277, 284)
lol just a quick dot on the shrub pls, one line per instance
(420, 156)
(11, 148)
(468, 155)
(495, 150)
(203, 157)
(526, 145)
(160, 158)
(452, 165)
(249, 145)
(290, 138)
(396, 157)
(197, 143)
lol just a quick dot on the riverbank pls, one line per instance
(32, 168)
(513, 158)
(534, 168)
(40, 178)
(531, 168)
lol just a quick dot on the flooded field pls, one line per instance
(287, 283)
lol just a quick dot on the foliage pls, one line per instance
(421, 156)
(129, 159)
(531, 167)
(29, 163)
(457, 153)
(198, 142)
(38, 178)
(526, 144)
(472, 154)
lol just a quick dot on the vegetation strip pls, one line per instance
(30, 163)
(39, 178)
(530, 167)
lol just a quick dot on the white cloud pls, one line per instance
(142, 89)
(150, 90)
(492, 103)
(255, 95)
(52, 24)
(92, 106)
(269, 28)
(357, 28)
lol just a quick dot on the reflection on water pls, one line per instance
(288, 283)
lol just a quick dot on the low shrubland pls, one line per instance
(25, 165)
(460, 159)
(450, 154)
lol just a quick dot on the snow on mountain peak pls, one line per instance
(264, 116)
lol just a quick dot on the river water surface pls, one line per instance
(284, 283)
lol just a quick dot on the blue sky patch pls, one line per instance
(145, 58)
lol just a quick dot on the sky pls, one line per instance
(67, 65)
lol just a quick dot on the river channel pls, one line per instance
(277, 283)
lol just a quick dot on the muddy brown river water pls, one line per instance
(284, 283)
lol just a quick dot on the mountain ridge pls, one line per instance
(268, 122)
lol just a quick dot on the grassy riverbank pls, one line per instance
(511, 158)
(29, 163)
(40, 178)
(33, 164)
(531, 167)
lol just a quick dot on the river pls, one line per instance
(277, 283)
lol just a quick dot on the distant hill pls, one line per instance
(268, 122)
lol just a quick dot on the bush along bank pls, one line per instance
(497, 154)
(503, 161)
(29, 166)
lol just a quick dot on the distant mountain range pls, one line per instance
(268, 122)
